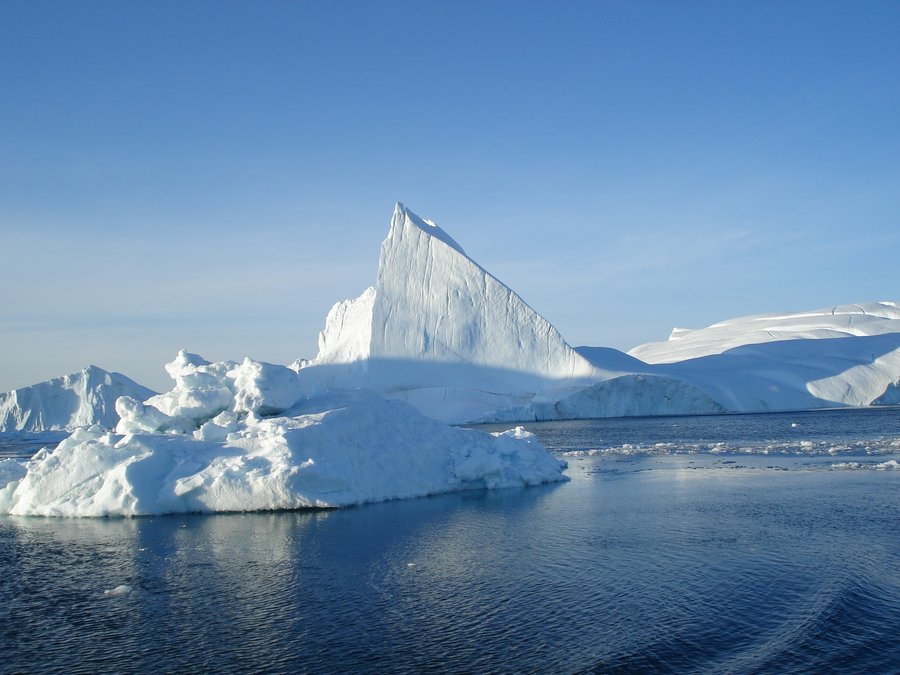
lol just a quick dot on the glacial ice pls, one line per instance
(834, 357)
(80, 399)
(439, 332)
(239, 437)
(436, 339)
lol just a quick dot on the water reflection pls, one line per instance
(647, 568)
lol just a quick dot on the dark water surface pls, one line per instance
(707, 545)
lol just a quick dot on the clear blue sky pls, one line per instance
(215, 175)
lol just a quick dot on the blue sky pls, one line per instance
(215, 175)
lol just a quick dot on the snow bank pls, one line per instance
(196, 449)
(81, 399)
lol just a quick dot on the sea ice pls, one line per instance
(208, 454)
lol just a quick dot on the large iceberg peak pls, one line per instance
(434, 303)
(437, 321)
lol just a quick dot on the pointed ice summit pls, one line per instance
(439, 331)
(432, 303)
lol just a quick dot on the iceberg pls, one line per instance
(241, 437)
(841, 321)
(81, 399)
(437, 339)
(846, 355)
(440, 332)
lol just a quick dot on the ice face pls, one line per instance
(433, 303)
(80, 399)
(439, 331)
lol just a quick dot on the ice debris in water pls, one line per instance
(890, 465)
(875, 447)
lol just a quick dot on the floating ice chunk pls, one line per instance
(202, 389)
(889, 465)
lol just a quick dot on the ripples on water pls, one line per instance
(641, 563)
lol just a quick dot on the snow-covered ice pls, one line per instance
(80, 399)
(438, 331)
(868, 319)
(211, 449)
(441, 333)
(436, 339)
(839, 356)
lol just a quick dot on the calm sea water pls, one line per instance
(725, 544)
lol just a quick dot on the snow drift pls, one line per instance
(81, 399)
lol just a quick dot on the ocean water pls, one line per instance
(734, 544)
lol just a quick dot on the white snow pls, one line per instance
(205, 392)
(80, 399)
(441, 333)
(436, 320)
(205, 453)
